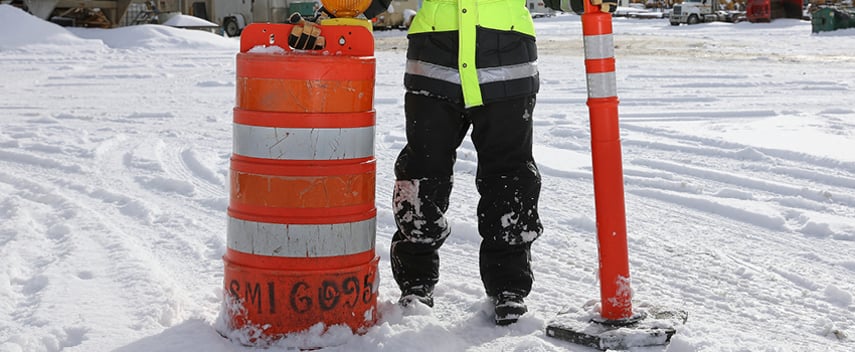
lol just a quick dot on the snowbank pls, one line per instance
(154, 36)
(186, 21)
(31, 32)
(22, 30)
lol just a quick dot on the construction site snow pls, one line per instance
(737, 148)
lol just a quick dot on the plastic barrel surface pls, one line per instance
(301, 217)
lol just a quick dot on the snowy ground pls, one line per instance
(739, 169)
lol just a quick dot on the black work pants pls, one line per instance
(507, 181)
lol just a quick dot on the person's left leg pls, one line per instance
(509, 184)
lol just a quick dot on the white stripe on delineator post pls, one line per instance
(599, 46)
(602, 85)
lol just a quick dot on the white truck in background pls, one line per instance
(698, 11)
(234, 15)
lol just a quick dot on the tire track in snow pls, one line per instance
(206, 192)
(139, 236)
(162, 173)
(665, 257)
(114, 236)
(156, 168)
(755, 185)
(695, 182)
(715, 147)
(56, 238)
(51, 238)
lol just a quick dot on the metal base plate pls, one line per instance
(650, 326)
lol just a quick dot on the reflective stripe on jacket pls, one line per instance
(473, 50)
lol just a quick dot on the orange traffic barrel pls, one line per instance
(301, 217)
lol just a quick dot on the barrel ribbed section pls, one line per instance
(301, 217)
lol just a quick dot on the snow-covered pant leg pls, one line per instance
(509, 184)
(435, 128)
(419, 207)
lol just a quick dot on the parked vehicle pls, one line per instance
(76, 12)
(767, 10)
(638, 10)
(698, 11)
(826, 19)
(234, 15)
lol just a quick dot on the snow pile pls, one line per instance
(19, 30)
(32, 32)
(157, 37)
(181, 20)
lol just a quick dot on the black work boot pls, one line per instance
(413, 294)
(509, 307)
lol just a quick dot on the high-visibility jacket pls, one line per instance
(474, 51)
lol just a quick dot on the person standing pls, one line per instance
(471, 64)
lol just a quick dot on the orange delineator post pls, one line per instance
(615, 291)
(302, 216)
(617, 327)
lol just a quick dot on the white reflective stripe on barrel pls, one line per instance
(301, 241)
(303, 143)
(599, 46)
(602, 85)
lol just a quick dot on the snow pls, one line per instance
(181, 20)
(737, 145)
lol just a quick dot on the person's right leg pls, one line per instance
(424, 172)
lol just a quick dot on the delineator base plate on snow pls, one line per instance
(651, 326)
